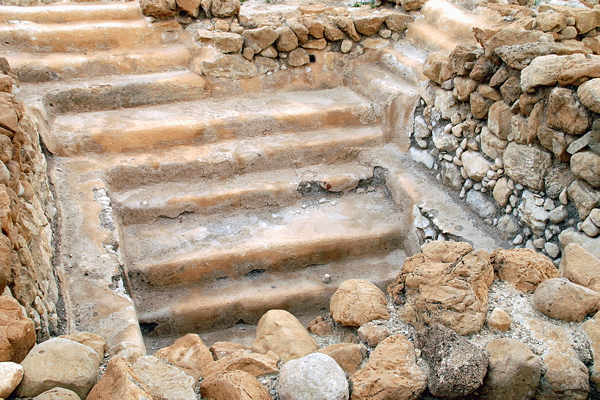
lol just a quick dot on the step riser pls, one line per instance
(279, 257)
(242, 160)
(71, 13)
(78, 38)
(45, 68)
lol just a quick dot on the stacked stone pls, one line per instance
(513, 124)
(25, 203)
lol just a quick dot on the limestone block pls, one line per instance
(225, 8)
(164, 381)
(475, 165)
(550, 21)
(533, 215)
(372, 334)
(119, 382)
(523, 268)
(586, 165)
(61, 394)
(349, 356)
(526, 165)
(580, 266)
(17, 332)
(233, 385)
(561, 299)
(566, 113)
(314, 26)
(480, 106)
(315, 376)
(11, 375)
(368, 23)
(346, 24)
(586, 198)
(481, 204)
(298, 57)
(260, 38)
(356, 302)
(435, 64)
(92, 340)
(491, 145)
(511, 36)
(397, 21)
(188, 352)
(331, 32)
(499, 119)
(231, 66)
(592, 328)
(287, 39)
(223, 349)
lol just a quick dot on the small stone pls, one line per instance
(313, 376)
(372, 334)
(349, 356)
(589, 228)
(357, 302)
(552, 249)
(11, 375)
(60, 394)
(561, 299)
(499, 320)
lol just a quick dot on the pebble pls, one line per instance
(322, 200)
(477, 186)
(518, 239)
(563, 197)
(549, 204)
(552, 249)
(334, 202)
(326, 279)
(539, 243)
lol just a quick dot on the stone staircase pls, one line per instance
(207, 201)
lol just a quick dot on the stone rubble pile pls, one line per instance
(434, 335)
(513, 125)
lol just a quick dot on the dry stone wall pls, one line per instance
(25, 212)
(513, 125)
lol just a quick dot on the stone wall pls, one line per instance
(25, 212)
(513, 125)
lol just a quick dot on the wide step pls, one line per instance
(205, 121)
(197, 249)
(62, 13)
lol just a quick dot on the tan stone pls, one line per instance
(510, 36)
(446, 284)
(589, 94)
(550, 21)
(320, 326)
(224, 349)
(346, 24)
(11, 375)
(92, 340)
(119, 382)
(191, 7)
(349, 356)
(245, 360)
(561, 299)
(299, 29)
(8, 116)
(463, 87)
(158, 8)
(372, 334)
(259, 38)
(523, 268)
(225, 8)
(476, 165)
(298, 57)
(60, 394)
(499, 119)
(231, 66)
(287, 39)
(585, 197)
(128, 350)
(317, 44)
(462, 58)
(526, 164)
(281, 332)
(545, 70)
(491, 145)
(331, 32)
(189, 353)
(585, 19)
(479, 105)
(164, 381)
(435, 64)
(566, 113)
(513, 372)
(17, 332)
(356, 302)
(586, 165)
(482, 70)
(367, 23)
(502, 192)
(233, 385)
(499, 320)
(592, 328)
(397, 21)
(390, 372)
(580, 266)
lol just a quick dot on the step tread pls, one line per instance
(170, 199)
(68, 12)
(194, 247)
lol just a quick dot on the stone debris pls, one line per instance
(188, 353)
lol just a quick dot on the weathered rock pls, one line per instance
(564, 374)
(227, 42)
(521, 132)
(192, 7)
(315, 27)
(11, 375)
(282, 333)
(349, 356)
(94, 341)
(451, 175)
(491, 145)
(62, 394)
(585, 197)
(244, 360)
(566, 113)
(260, 38)
(446, 103)
(318, 44)
(298, 57)
(580, 267)
(589, 94)
(435, 66)
(502, 192)
(499, 320)
(128, 350)
(561, 299)
(532, 214)
(225, 8)
(508, 226)
(346, 24)
(411, 5)
(397, 21)
(231, 66)
(513, 373)
(586, 165)
(475, 165)
(523, 268)
(320, 326)
(357, 302)
(444, 141)
(315, 376)
(189, 353)
(592, 328)
(119, 382)
(372, 334)
(481, 204)
(224, 349)
(287, 39)
(390, 373)
(299, 29)
(550, 21)
(368, 23)
(59, 363)
(526, 164)
(17, 332)
(510, 89)
(463, 57)
(511, 36)
(558, 177)
(463, 87)
(456, 367)
(331, 32)
(159, 8)
(164, 381)
(570, 235)
(499, 119)
(564, 70)
(482, 70)
(233, 385)
(480, 106)
(447, 283)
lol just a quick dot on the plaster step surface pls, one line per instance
(246, 191)
(194, 249)
(205, 121)
(43, 67)
(66, 12)
(228, 302)
(78, 36)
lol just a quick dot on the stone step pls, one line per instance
(197, 249)
(248, 191)
(65, 12)
(229, 158)
(80, 36)
(404, 60)
(228, 302)
(43, 67)
(205, 121)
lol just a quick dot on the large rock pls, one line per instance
(592, 328)
(119, 382)
(585, 197)
(225, 349)
(92, 340)
(346, 24)
(357, 302)
(368, 23)
(17, 332)
(231, 66)
(589, 95)
(59, 363)
(312, 377)
(523, 268)
(164, 381)
(397, 21)
(456, 366)
(499, 119)
(511, 36)
(227, 42)
(526, 164)
(225, 8)
(447, 284)
(580, 266)
(349, 356)
(436, 66)
(545, 70)
(491, 145)
(287, 39)
(586, 165)
(564, 375)
(281, 332)
(391, 372)
(233, 385)
(298, 57)
(566, 113)
(513, 373)
(532, 214)
(476, 165)
(62, 394)
(244, 360)
(189, 353)
(481, 204)
(159, 8)
(11, 375)
(260, 38)
(561, 299)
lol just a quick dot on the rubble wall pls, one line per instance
(25, 212)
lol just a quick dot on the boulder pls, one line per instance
(11, 375)
(391, 372)
(356, 302)
(17, 332)
(298, 57)
(159, 8)
(524, 268)
(447, 283)
(561, 299)
(456, 366)
(585, 197)
(233, 385)
(481, 204)
(312, 377)
(287, 39)
(61, 394)
(592, 328)
(368, 23)
(513, 372)
(119, 382)
(346, 24)
(331, 32)
(227, 42)
(491, 145)
(483, 70)
(435, 66)
(511, 36)
(281, 332)
(532, 214)
(526, 164)
(586, 165)
(349, 356)
(164, 381)
(480, 106)
(589, 94)
(189, 353)
(397, 21)
(566, 113)
(231, 66)
(92, 340)
(128, 350)
(245, 360)
(476, 165)
(225, 8)
(372, 334)
(502, 192)
(59, 363)
(260, 38)
(580, 266)
(192, 7)
(550, 21)
(224, 349)
(314, 26)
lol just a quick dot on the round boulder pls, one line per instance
(357, 302)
